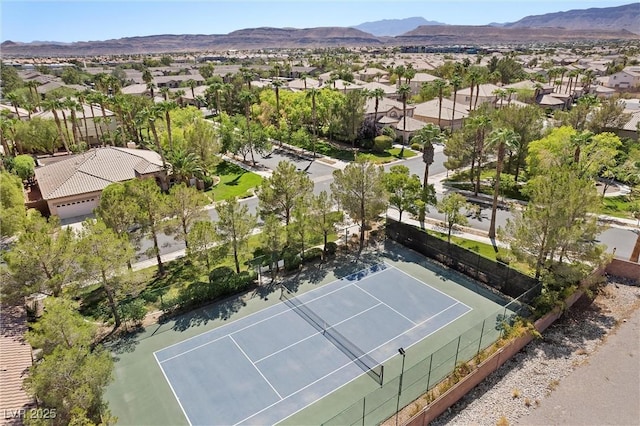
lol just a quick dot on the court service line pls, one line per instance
(256, 367)
(175, 395)
(430, 286)
(341, 282)
(360, 375)
(318, 332)
(408, 319)
(248, 326)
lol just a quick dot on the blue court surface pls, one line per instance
(267, 366)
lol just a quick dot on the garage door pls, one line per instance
(77, 208)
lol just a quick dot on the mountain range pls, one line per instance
(613, 23)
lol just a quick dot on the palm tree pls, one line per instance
(426, 137)
(510, 92)
(7, 126)
(473, 77)
(166, 108)
(184, 165)
(147, 77)
(587, 79)
(480, 123)
(312, 94)
(409, 73)
(151, 88)
(82, 99)
(277, 84)
(404, 90)
(14, 99)
(214, 90)
(377, 94)
(399, 72)
(73, 106)
(33, 85)
(192, 84)
(54, 105)
(440, 85)
(456, 82)
(101, 99)
(502, 139)
(500, 94)
(151, 114)
(164, 91)
(579, 140)
(247, 98)
(247, 76)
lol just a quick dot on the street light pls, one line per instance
(403, 353)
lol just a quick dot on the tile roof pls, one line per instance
(430, 109)
(15, 359)
(412, 124)
(94, 170)
(384, 105)
(632, 124)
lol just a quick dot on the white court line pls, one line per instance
(257, 369)
(250, 325)
(344, 287)
(412, 322)
(430, 286)
(315, 334)
(175, 395)
(351, 362)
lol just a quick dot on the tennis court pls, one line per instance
(265, 367)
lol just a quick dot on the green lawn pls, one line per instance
(620, 206)
(485, 250)
(155, 290)
(387, 156)
(234, 182)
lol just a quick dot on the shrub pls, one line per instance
(208, 182)
(366, 143)
(133, 311)
(292, 260)
(331, 248)
(312, 254)
(382, 143)
(416, 146)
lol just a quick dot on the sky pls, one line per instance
(69, 21)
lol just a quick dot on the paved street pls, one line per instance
(320, 171)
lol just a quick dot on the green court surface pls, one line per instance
(140, 395)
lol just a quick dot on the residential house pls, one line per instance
(389, 91)
(386, 108)
(303, 84)
(485, 93)
(429, 111)
(371, 74)
(72, 187)
(175, 81)
(625, 79)
(419, 79)
(22, 113)
(88, 130)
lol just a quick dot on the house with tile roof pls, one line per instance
(72, 187)
(629, 77)
(429, 111)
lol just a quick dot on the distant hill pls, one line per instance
(394, 27)
(607, 18)
(612, 23)
(488, 35)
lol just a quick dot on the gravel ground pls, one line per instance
(523, 382)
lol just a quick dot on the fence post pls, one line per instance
(364, 412)
(161, 302)
(481, 333)
(478, 266)
(457, 350)
(429, 373)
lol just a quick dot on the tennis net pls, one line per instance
(359, 357)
